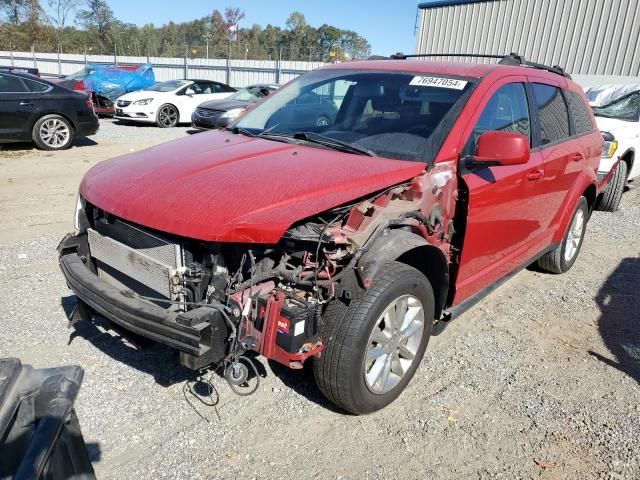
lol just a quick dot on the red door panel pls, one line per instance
(504, 215)
(503, 224)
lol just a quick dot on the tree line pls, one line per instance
(90, 26)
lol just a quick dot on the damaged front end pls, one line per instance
(214, 301)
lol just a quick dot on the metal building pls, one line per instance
(586, 37)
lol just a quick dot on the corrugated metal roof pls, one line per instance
(589, 37)
(446, 3)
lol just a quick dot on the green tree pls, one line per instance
(296, 29)
(99, 20)
(61, 13)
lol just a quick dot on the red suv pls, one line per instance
(351, 241)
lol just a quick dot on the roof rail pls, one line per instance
(510, 59)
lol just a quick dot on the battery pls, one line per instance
(294, 328)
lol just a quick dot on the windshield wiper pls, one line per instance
(241, 131)
(332, 143)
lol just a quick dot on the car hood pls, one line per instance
(223, 105)
(217, 186)
(614, 125)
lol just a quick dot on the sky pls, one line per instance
(389, 25)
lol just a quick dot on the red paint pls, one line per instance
(505, 148)
(517, 211)
(217, 186)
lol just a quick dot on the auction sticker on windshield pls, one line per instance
(438, 82)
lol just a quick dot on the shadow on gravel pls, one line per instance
(619, 322)
(303, 383)
(27, 147)
(144, 355)
(161, 362)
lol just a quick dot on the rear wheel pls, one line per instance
(52, 132)
(562, 258)
(373, 347)
(167, 116)
(610, 199)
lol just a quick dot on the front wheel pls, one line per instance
(562, 258)
(167, 116)
(609, 201)
(373, 347)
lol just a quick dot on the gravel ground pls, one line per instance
(540, 380)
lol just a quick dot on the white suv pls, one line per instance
(617, 112)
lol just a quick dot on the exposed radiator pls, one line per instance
(131, 258)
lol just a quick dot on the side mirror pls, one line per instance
(501, 148)
(189, 91)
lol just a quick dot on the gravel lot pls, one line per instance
(540, 380)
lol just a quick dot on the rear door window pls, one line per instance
(11, 84)
(553, 113)
(580, 114)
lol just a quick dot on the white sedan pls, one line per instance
(169, 103)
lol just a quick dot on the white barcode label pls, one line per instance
(438, 82)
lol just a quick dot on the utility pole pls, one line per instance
(207, 37)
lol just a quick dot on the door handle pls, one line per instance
(535, 175)
(26, 104)
(578, 157)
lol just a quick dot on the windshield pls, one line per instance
(389, 114)
(250, 94)
(169, 86)
(626, 108)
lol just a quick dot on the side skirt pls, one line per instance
(457, 310)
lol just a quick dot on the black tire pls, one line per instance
(53, 132)
(347, 332)
(323, 121)
(609, 201)
(168, 116)
(556, 261)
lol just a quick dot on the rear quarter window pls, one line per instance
(34, 86)
(580, 114)
(553, 113)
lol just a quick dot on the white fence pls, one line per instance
(237, 73)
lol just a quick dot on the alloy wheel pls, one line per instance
(393, 344)
(54, 133)
(322, 122)
(168, 116)
(574, 236)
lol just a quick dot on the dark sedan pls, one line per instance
(220, 113)
(33, 109)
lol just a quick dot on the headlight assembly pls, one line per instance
(80, 223)
(609, 149)
(233, 113)
(144, 101)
